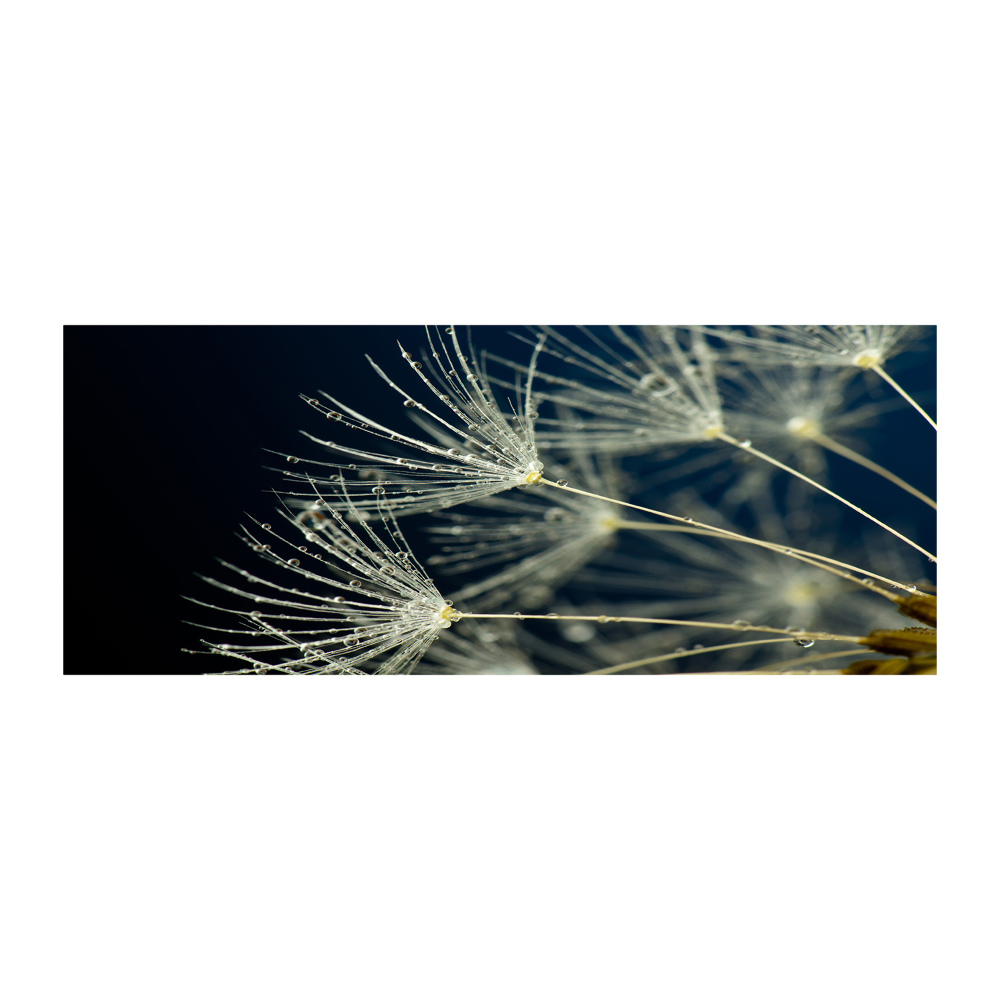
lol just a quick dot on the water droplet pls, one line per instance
(266, 527)
(395, 437)
(518, 614)
(454, 452)
(745, 444)
(741, 623)
(551, 614)
(292, 459)
(354, 583)
(409, 402)
(690, 520)
(449, 604)
(334, 416)
(562, 482)
(351, 641)
(416, 365)
(697, 645)
(867, 580)
(804, 643)
(602, 618)
(293, 562)
(337, 600)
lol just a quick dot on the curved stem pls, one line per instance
(793, 665)
(785, 550)
(879, 371)
(457, 615)
(850, 453)
(680, 655)
(729, 439)
(791, 553)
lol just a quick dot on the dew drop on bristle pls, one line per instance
(562, 482)
(804, 643)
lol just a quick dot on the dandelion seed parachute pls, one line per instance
(846, 346)
(476, 449)
(371, 604)
(647, 390)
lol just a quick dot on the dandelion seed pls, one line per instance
(866, 347)
(645, 391)
(402, 611)
(839, 346)
(499, 450)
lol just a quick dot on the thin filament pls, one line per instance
(791, 553)
(878, 370)
(603, 619)
(786, 550)
(723, 436)
(680, 655)
(850, 453)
